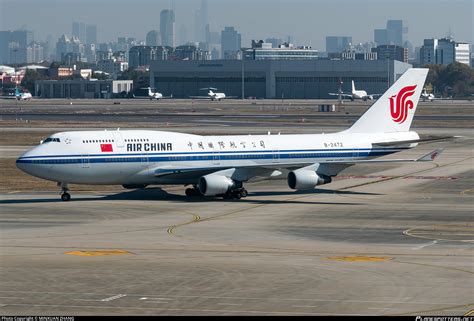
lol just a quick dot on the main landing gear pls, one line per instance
(193, 191)
(237, 193)
(65, 196)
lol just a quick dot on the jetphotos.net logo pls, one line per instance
(399, 104)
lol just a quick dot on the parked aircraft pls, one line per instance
(356, 94)
(425, 96)
(156, 95)
(220, 165)
(21, 95)
(212, 95)
(18, 95)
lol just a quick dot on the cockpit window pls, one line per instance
(51, 139)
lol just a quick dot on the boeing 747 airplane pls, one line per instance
(220, 165)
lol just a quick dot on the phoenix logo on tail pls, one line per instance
(399, 109)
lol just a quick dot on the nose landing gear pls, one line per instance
(65, 196)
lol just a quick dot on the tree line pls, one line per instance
(454, 80)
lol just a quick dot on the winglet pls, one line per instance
(431, 156)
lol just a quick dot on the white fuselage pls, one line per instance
(147, 156)
(24, 96)
(360, 94)
(216, 96)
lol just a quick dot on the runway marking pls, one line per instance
(115, 297)
(437, 310)
(259, 312)
(447, 178)
(360, 258)
(98, 252)
(304, 306)
(229, 304)
(469, 313)
(443, 233)
(388, 301)
(425, 245)
(196, 218)
(160, 299)
(467, 191)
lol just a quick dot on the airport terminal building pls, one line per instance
(82, 88)
(274, 79)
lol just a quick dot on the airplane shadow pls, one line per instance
(158, 194)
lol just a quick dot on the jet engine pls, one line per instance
(301, 179)
(211, 185)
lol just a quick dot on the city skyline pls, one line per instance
(253, 19)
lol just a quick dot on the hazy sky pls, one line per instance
(308, 21)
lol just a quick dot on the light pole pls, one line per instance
(388, 71)
(243, 77)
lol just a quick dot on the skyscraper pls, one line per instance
(337, 43)
(203, 20)
(231, 43)
(391, 35)
(91, 34)
(167, 26)
(443, 51)
(79, 30)
(395, 32)
(153, 38)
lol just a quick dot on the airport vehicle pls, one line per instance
(356, 94)
(212, 95)
(219, 165)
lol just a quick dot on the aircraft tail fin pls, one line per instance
(353, 87)
(394, 110)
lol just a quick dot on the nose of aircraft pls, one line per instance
(26, 161)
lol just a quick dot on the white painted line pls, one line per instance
(115, 297)
(259, 312)
(304, 306)
(229, 304)
(425, 245)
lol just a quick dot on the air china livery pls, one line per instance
(356, 94)
(219, 165)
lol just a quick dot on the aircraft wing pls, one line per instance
(243, 173)
(425, 158)
(342, 95)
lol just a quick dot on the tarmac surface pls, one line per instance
(383, 239)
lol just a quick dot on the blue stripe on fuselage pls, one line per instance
(124, 158)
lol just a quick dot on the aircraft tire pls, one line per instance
(65, 197)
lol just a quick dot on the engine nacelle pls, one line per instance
(306, 179)
(211, 185)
